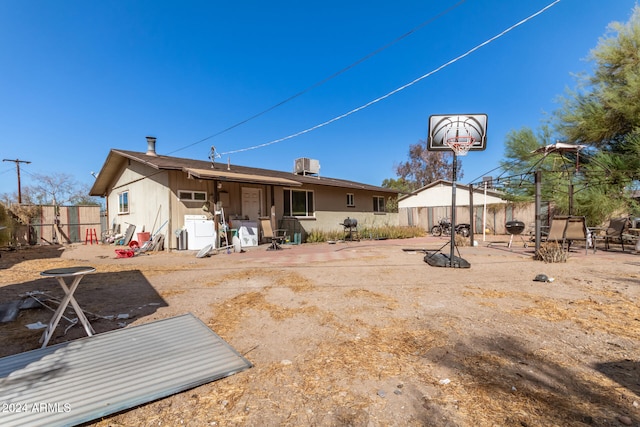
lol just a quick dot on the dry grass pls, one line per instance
(550, 252)
(504, 372)
(610, 316)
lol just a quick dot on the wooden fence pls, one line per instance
(61, 225)
(496, 216)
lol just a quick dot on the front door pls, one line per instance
(251, 203)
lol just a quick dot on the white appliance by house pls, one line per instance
(247, 232)
(200, 232)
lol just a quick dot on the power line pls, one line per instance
(2, 172)
(401, 88)
(325, 80)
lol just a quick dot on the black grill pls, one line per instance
(514, 227)
(350, 229)
(350, 222)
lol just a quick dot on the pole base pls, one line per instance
(437, 259)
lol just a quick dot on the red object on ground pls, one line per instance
(143, 237)
(124, 253)
(134, 244)
(90, 235)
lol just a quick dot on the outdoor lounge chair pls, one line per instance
(556, 229)
(576, 229)
(614, 233)
(277, 236)
(566, 229)
(110, 236)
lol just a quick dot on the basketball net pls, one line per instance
(460, 144)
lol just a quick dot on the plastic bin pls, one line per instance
(143, 237)
(182, 239)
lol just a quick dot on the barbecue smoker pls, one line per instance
(515, 228)
(350, 229)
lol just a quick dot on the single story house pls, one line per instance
(168, 195)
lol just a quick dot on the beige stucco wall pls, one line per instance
(331, 220)
(331, 210)
(335, 199)
(148, 207)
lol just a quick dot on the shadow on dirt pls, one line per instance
(110, 301)
(534, 389)
(624, 372)
(12, 256)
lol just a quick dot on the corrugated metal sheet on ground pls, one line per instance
(85, 379)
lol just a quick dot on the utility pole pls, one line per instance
(17, 162)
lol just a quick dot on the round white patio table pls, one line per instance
(77, 273)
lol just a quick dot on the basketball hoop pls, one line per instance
(460, 144)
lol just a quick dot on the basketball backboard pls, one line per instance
(450, 127)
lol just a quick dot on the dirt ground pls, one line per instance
(367, 334)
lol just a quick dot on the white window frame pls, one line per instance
(192, 196)
(123, 208)
(351, 200)
(377, 200)
(289, 203)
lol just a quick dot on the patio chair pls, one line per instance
(109, 236)
(277, 236)
(614, 233)
(557, 228)
(576, 229)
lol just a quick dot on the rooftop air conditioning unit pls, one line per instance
(306, 166)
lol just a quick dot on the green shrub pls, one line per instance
(383, 232)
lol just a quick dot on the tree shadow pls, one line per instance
(109, 300)
(625, 372)
(13, 256)
(531, 388)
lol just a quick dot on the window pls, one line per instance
(123, 202)
(378, 204)
(350, 200)
(192, 196)
(298, 203)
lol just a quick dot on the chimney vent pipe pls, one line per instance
(151, 146)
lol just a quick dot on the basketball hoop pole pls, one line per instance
(459, 133)
(453, 209)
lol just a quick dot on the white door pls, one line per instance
(251, 202)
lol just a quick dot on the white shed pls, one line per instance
(427, 205)
(438, 194)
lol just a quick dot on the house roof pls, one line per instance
(442, 182)
(241, 177)
(223, 172)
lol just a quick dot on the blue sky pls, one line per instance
(81, 77)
